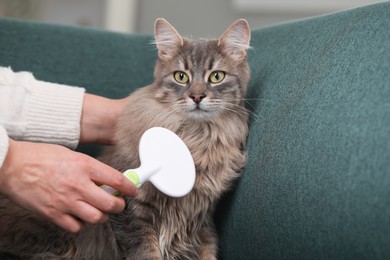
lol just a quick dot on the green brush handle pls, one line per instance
(131, 175)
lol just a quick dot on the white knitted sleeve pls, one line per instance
(39, 111)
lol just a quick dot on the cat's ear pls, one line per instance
(235, 40)
(167, 39)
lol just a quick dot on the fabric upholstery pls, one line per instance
(317, 180)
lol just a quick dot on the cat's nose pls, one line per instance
(197, 98)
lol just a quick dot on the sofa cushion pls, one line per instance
(317, 180)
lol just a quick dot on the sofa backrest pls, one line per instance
(317, 180)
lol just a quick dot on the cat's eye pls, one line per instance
(181, 77)
(216, 76)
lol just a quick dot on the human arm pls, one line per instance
(33, 174)
(38, 111)
(99, 118)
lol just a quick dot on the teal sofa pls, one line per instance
(317, 180)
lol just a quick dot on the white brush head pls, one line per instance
(166, 162)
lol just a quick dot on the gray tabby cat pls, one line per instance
(198, 93)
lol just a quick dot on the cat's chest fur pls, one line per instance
(217, 146)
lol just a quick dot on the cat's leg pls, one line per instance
(140, 243)
(147, 249)
(136, 234)
(209, 244)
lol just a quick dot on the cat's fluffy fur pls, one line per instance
(211, 120)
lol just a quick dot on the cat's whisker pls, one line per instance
(176, 108)
(252, 114)
(234, 108)
(246, 100)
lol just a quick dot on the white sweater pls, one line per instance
(38, 111)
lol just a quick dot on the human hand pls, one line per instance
(98, 119)
(61, 185)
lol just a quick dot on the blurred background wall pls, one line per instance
(199, 18)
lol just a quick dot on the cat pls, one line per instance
(198, 93)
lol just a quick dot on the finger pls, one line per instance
(88, 213)
(61, 218)
(69, 223)
(104, 174)
(100, 199)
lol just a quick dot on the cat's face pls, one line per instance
(205, 78)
